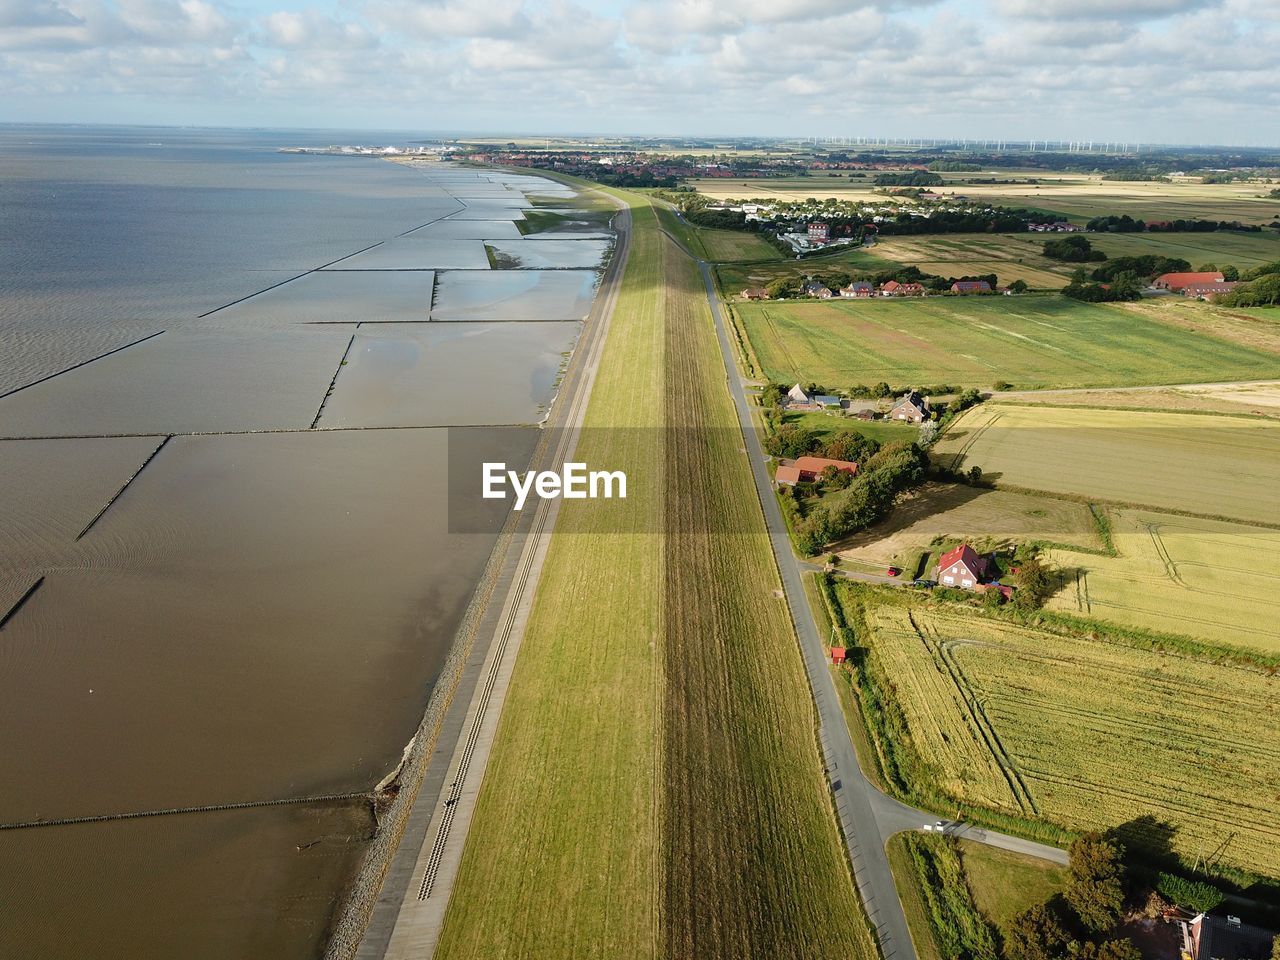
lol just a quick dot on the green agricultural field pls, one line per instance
(1244, 250)
(1030, 341)
(714, 245)
(1215, 466)
(1078, 732)
(725, 245)
(1004, 884)
(1202, 578)
(829, 424)
(655, 789)
(985, 518)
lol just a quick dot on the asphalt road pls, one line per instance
(867, 816)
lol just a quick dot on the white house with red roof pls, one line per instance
(961, 567)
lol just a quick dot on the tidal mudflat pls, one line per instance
(549, 254)
(514, 295)
(257, 882)
(336, 296)
(239, 527)
(466, 230)
(193, 380)
(419, 251)
(257, 617)
(424, 373)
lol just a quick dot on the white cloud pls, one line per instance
(1069, 68)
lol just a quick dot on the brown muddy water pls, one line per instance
(228, 580)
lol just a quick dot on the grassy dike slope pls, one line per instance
(655, 789)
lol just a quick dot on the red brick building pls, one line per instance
(961, 567)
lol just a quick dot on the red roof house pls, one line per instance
(808, 469)
(961, 567)
(1176, 281)
(971, 286)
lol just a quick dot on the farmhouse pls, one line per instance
(755, 293)
(1202, 291)
(971, 286)
(815, 289)
(961, 567)
(1176, 282)
(912, 408)
(809, 469)
(895, 289)
(858, 289)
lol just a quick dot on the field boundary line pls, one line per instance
(26, 595)
(82, 363)
(125, 486)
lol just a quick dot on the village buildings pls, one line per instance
(858, 289)
(895, 289)
(971, 286)
(1203, 291)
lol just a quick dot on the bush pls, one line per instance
(1191, 894)
(1037, 934)
(1076, 249)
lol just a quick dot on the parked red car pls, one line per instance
(893, 571)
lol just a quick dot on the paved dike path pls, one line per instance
(408, 915)
(868, 817)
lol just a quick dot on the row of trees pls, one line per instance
(1127, 224)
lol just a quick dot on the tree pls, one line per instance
(1121, 948)
(1095, 888)
(928, 433)
(1230, 272)
(791, 440)
(1033, 583)
(1275, 944)
(1018, 286)
(1037, 934)
(975, 475)
(1207, 268)
(881, 389)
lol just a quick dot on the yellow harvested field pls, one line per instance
(1010, 256)
(985, 518)
(1087, 734)
(1203, 578)
(1216, 466)
(1256, 328)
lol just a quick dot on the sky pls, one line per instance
(1155, 71)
